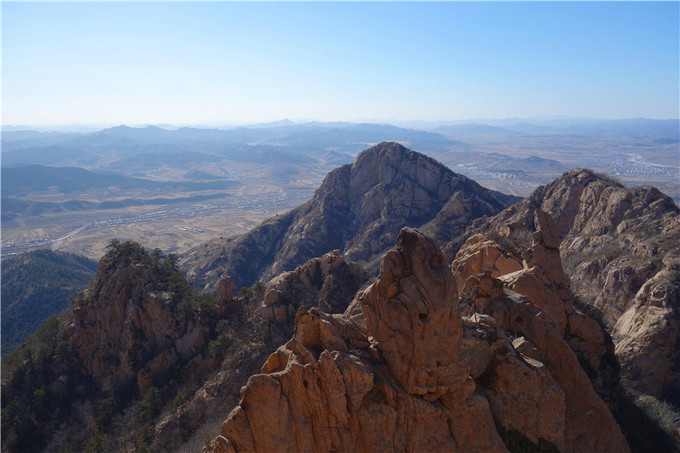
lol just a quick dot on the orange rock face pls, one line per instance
(533, 302)
(620, 251)
(400, 370)
(412, 313)
(480, 255)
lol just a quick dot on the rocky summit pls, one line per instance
(402, 370)
(621, 254)
(359, 210)
(132, 324)
(550, 325)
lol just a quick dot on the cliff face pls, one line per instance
(620, 251)
(359, 209)
(402, 370)
(128, 326)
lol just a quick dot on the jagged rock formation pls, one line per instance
(254, 331)
(359, 209)
(490, 354)
(400, 370)
(133, 329)
(327, 282)
(620, 251)
(139, 325)
(541, 282)
(127, 326)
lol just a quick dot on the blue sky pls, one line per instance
(221, 63)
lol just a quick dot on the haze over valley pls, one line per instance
(175, 188)
(222, 114)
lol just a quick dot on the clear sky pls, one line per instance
(219, 63)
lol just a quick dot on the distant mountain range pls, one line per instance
(50, 148)
(47, 148)
(289, 153)
(596, 128)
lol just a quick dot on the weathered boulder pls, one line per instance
(479, 255)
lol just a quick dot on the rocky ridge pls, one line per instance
(258, 323)
(127, 329)
(359, 209)
(139, 330)
(401, 370)
(620, 252)
(525, 369)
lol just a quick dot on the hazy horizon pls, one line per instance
(219, 64)
(412, 124)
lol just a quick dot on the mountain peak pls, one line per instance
(584, 176)
(390, 151)
(387, 147)
(358, 209)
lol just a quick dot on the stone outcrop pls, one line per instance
(358, 209)
(496, 355)
(620, 253)
(225, 289)
(254, 332)
(400, 370)
(481, 255)
(327, 282)
(541, 284)
(124, 331)
(412, 315)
